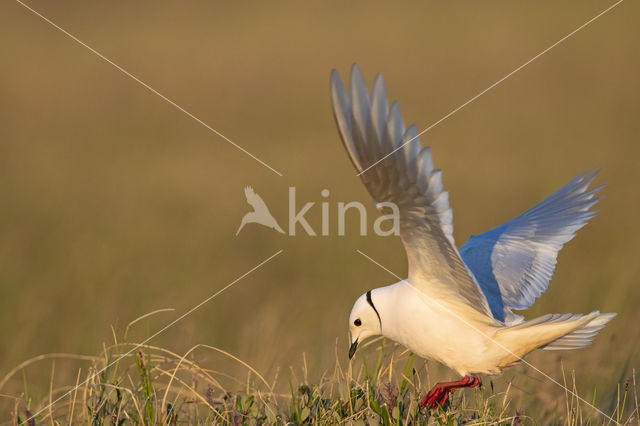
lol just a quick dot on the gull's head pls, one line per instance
(364, 321)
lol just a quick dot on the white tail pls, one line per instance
(582, 336)
(551, 332)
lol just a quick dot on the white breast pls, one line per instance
(433, 329)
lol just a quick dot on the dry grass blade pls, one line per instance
(35, 359)
(147, 315)
(235, 358)
(195, 393)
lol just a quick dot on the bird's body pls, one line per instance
(431, 331)
(465, 341)
(455, 307)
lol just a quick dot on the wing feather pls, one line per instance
(370, 130)
(514, 262)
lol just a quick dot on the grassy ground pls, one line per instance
(144, 385)
(113, 203)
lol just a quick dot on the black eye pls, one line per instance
(357, 322)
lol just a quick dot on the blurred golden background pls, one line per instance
(115, 204)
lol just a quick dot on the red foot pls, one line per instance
(439, 394)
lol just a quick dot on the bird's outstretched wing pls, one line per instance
(370, 130)
(514, 262)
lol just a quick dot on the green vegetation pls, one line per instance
(147, 385)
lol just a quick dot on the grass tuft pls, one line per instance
(148, 385)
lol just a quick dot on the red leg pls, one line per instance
(439, 394)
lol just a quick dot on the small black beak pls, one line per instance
(352, 349)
